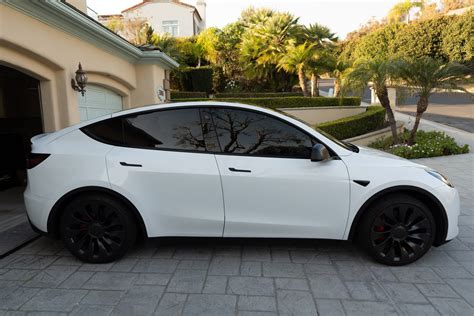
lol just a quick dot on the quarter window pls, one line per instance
(249, 133)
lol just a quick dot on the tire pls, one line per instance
(97, 228)
(397, 230)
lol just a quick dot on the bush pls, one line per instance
(187, 95)
(226, 95)
(196, 79)
(446, 37)
(371, 120)
(427, 144)
(289, 102)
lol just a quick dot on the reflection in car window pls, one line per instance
(172, 129)
(251, 133)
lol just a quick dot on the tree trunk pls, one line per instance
(421, 107)
(302, 80)
(314, 85)
(382, 95)
(337, 88)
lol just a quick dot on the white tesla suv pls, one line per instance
(229, 170)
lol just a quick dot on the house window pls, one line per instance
(171, 27)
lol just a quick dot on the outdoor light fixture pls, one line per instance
(79, 84)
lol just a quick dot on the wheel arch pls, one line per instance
(56, 211)
(435, 206)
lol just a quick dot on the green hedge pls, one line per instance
(226, 95)
(187, 94)
(288, 102)
(196, 79)
(372, 119)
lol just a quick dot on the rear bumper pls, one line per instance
(37, 210)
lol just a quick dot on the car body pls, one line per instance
(218, 169)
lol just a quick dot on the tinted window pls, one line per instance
(250, 133)
(172, 129)
(108, 131)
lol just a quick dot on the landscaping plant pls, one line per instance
(424, 75)
(378, 72)
(428, 144)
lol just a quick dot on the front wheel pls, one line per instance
(97, 228)
(397, 230)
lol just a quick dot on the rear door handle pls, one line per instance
(239, 170)
(130, 164)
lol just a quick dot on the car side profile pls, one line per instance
(219, 169)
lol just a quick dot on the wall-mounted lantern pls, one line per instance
(80, 83)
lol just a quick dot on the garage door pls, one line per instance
(98, 101)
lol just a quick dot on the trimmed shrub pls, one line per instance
(288, 102)
(371, 120)
(226, 95)
(187, 95)
(196, 79)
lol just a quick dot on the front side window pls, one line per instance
(171, 27)
(250, 133)
(178, 129)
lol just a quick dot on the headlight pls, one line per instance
(440, 177)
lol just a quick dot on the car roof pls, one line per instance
(192, 103)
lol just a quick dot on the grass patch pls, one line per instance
(427, 144)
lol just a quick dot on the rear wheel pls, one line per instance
(97, 228)
(397, 230)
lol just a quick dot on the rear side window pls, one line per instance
(109, 131)
(177, 129)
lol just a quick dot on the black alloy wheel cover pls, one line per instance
(401, 233)
(95, 230)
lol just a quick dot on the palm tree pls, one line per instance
(424, 75)
(319, 63)
(338, 68)
(323, 39)
(295, 60)
(378, 72)
(401, 11)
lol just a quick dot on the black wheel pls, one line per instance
(97, 228)
(397, 230)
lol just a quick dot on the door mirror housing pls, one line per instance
(319, 152)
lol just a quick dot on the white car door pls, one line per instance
(163, 167)
(271, 187)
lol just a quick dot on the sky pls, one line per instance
(342, 16)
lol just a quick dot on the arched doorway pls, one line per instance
(20, 119)
(98, 101)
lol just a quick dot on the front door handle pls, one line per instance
(130, 164)
(239, 170)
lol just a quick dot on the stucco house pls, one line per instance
(171, 17)
(41, 46)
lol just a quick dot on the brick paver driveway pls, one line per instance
(249, 277)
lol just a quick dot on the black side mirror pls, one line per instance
(319, 152)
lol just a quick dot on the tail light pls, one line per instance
(35, 159)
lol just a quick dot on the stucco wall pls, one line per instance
(52, 56)
(156, 13)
